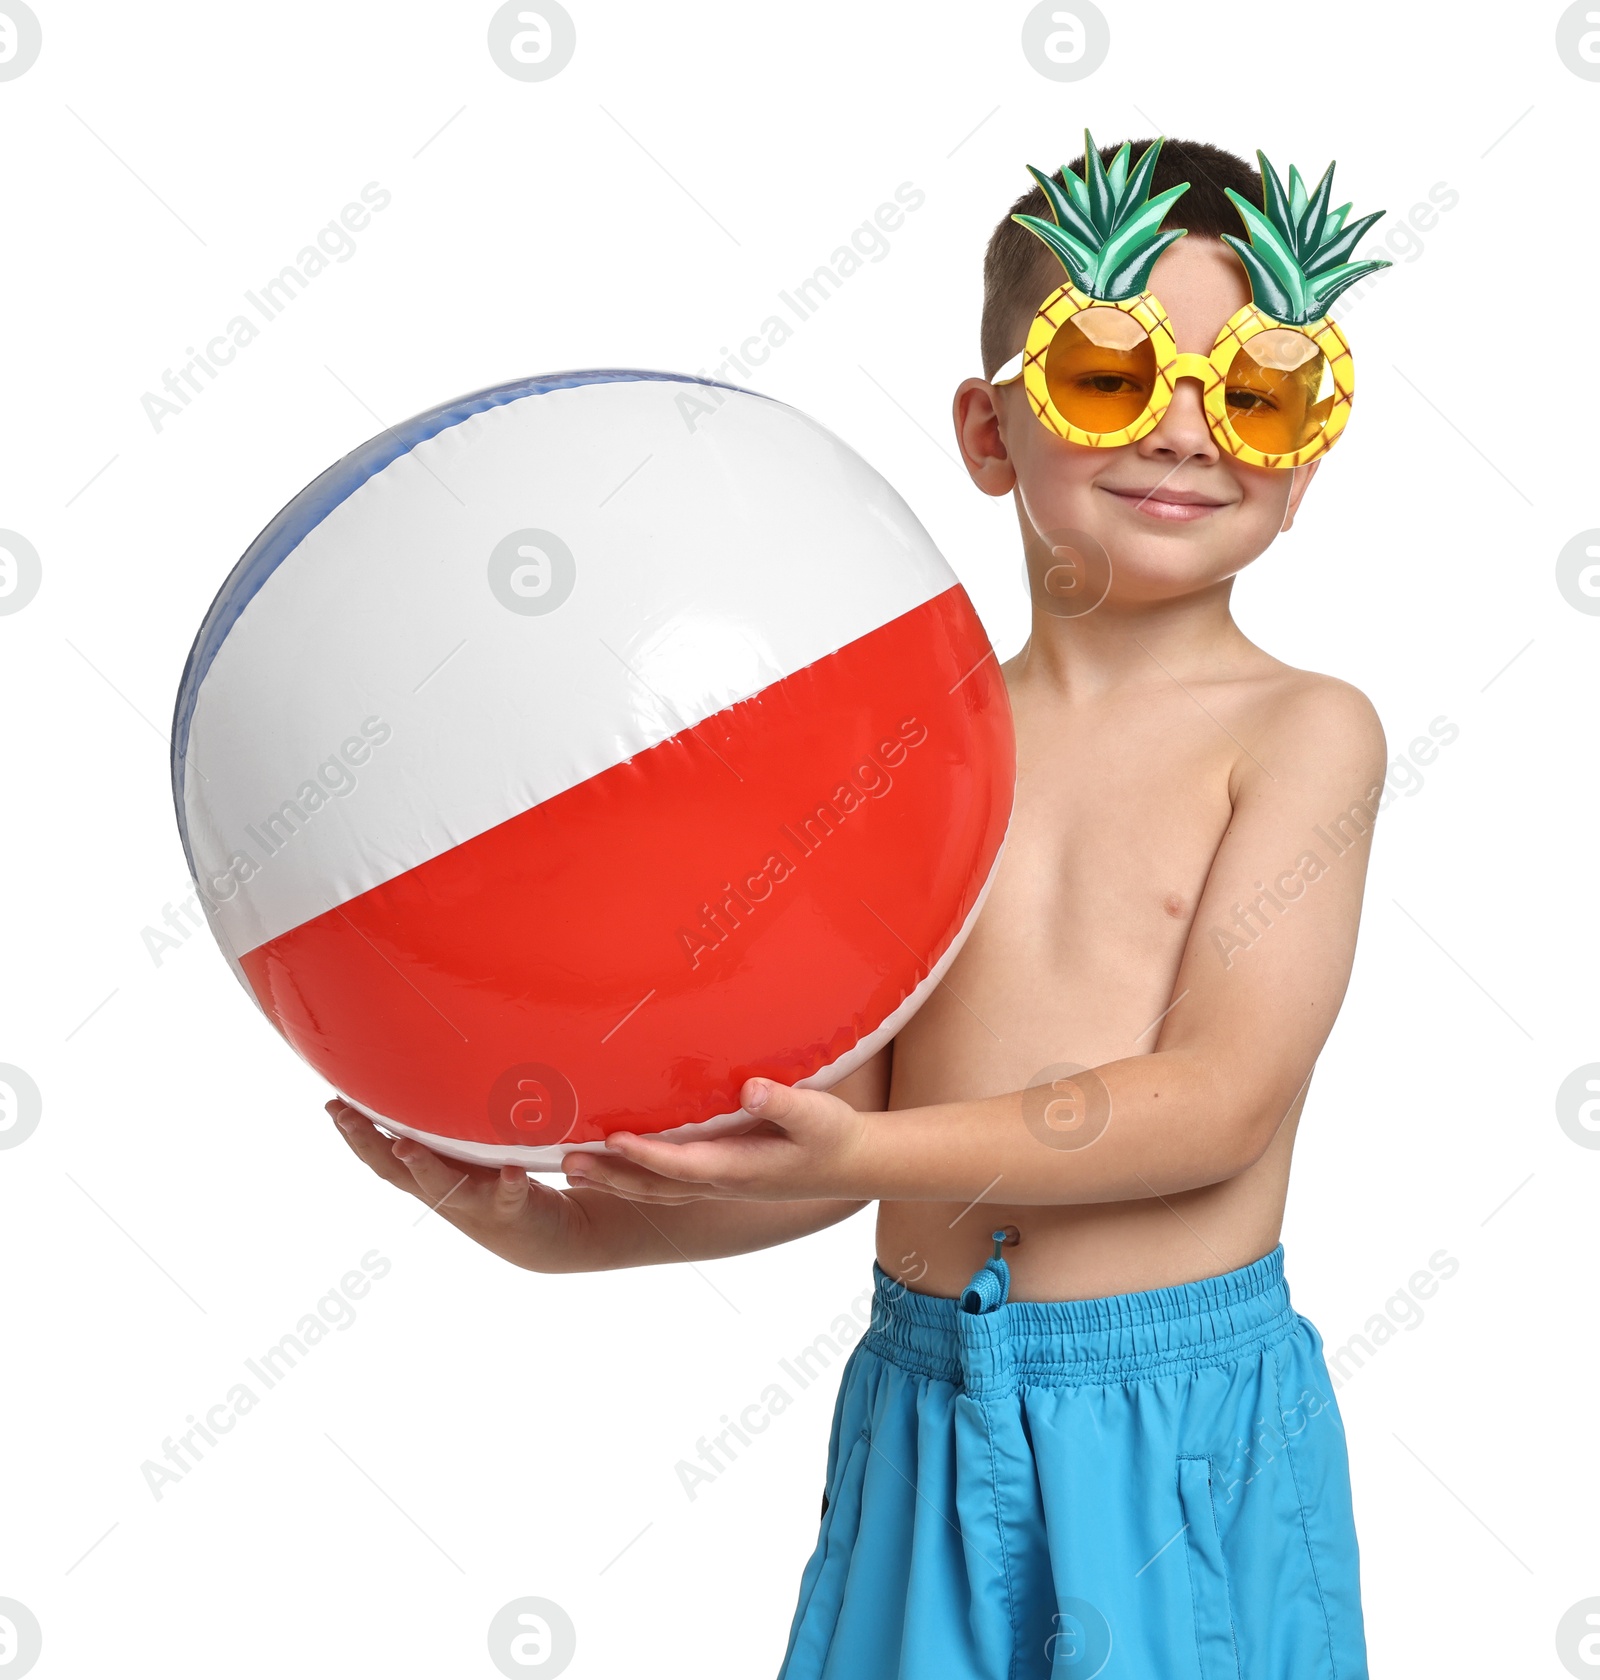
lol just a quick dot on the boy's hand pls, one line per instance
(802, 1146)
(499, 1207)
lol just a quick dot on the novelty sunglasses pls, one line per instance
(1100, 366)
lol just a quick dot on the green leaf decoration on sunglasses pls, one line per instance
(1106, 231)
(1297, 258)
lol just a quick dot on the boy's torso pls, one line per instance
(1121, 803)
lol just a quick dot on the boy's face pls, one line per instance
(1173, 512)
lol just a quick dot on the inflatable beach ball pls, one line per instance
(576, 750)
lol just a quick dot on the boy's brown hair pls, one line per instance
(1019, 270)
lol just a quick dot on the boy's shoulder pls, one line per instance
(1311, 726)
(1310, 702)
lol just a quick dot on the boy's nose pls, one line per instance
(1182, 430)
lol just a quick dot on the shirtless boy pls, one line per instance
(1086, 1430)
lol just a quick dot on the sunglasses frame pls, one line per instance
(1173, 365)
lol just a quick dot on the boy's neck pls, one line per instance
(1130, 644)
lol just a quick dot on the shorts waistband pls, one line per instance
(1080, 1343)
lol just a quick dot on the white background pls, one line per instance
(480, 1433)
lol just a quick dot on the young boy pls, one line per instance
(1112, 1445)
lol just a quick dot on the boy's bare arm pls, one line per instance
(547, 1230)
(1256, 994)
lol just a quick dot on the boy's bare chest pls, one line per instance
(1108, 823)
(1071, 964)
(1116, 822)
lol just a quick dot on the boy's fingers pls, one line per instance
(449, 1187)
(708, 1162)
(372, 1147)
(663, 1160)
(511, 1194)
(654, 1198)
(623, 1178)
(439, 1182)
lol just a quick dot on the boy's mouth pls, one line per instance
(1161, 501)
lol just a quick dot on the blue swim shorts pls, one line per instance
(1143, 1487)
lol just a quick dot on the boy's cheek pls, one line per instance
(1055, 478)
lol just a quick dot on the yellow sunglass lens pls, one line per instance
(1100, 370)
(1279, 391)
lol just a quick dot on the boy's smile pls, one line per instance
(1162, 501)
(1173, 511)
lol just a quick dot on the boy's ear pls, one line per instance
(1299, 478)
(981, 437)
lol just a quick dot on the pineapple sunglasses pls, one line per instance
(1100, 366)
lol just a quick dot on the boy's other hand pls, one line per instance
(801, 1145)
(499, 1207)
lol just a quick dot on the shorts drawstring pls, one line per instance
(987, 1289)
(981, 1339)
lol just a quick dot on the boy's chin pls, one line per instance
(1217, 540)
(1149, 586)
(1149, 568)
